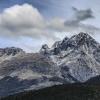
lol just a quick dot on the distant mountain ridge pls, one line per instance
(10, 51)
(72, 60)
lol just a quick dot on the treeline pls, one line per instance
(78, 91)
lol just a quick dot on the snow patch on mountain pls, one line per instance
(78, 55)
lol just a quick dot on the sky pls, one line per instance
(28, 24)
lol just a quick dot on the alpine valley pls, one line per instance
(72, 60)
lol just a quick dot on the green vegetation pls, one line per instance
(86, 91)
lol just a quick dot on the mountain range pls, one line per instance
(72, 60)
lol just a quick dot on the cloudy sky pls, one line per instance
(28, 24)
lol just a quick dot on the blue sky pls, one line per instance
(28, 24)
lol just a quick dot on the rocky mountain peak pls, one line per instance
(45, 46)
(10, 51)
(71, 60)
(56, 44)
(79, 56)
(65, 40)
(44, 49)
(81, 37)
(73, 42)
(82, 34)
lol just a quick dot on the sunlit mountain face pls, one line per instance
(24, 23)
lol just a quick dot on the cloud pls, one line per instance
(26, 21)
(81, 15)
(77, 22)
(19, 20)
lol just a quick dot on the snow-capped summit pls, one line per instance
(10, 51)
(81, 38)
(71, 60)
(76, 41)
(77, 56)
(82, 35)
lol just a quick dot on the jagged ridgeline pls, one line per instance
(78, 56)
(72, 60)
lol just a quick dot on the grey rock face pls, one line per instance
(35, 62)
(78, 56)
(71, 60)
(27, 71)
(10, 51)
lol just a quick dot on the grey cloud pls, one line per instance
(73, 23)
(74, 9)
(82, 15)
(81, 27)
(76, 23)
(17, 21)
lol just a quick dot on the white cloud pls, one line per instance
(26, 21)
(21, 20)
